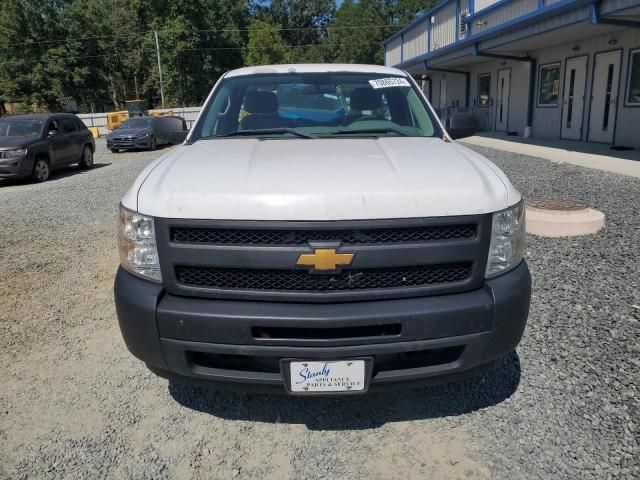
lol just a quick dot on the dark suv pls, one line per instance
(34, 145)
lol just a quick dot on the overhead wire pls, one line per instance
(214, 30)
(217, 48)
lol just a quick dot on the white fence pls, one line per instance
(100, 119)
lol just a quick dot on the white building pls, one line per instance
(556, 69)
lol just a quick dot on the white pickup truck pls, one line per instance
(319, 232)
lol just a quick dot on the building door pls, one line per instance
(442, 105)
(575, 83)
(443, 93)
(502, 105)
(604, 97)
(426, 88)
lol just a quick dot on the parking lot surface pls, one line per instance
(75, 404)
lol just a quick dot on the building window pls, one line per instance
(633, 82)
(484, 89)
(549, 85)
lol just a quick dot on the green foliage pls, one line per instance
(361, 26)
(103, 52)
(265, 45)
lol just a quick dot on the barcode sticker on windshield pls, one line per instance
(389, 82)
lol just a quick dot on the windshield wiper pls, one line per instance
(397, 131)
(266, 131)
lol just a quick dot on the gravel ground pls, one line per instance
(75, 404)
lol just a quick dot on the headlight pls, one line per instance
(18, 152)
(507, 240)
(137, 245)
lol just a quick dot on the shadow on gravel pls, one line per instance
(64, 172)
(358, 412)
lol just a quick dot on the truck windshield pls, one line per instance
(310, 105)
(12, 127)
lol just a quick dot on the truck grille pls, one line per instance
(258, 260)
(302, 281)
(223, 236)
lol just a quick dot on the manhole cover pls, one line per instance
(556, 204)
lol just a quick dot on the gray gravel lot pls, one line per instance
(75, 404)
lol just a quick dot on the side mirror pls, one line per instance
(181, 136)
(52, 133)
(462, 125)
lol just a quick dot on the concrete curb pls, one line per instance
(596, 161)
(563, 223)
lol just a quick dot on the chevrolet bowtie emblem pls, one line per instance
(325, 259)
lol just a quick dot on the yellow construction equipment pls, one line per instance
(154, 113)
(135, 108)
(115, 119)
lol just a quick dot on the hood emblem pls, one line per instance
(325, 259)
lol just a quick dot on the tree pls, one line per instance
(303, 24)
(360, 27)
(199, 41)
(33, 69)
(103, 52)
(265, 45)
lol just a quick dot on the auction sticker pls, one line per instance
(389, 82)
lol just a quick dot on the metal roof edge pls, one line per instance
(522, 21)
(424, 15)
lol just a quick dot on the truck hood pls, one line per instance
(320, 179)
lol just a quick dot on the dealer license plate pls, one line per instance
(330, 376)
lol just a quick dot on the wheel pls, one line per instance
(153, 145)
(86, 161)
(41, 170)
(115, 150)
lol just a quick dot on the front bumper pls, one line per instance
(129, 144)
(239, 344)
(18, 167)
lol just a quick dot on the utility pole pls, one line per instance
(159, 68)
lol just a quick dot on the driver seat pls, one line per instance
(364, 98)
(263, 111)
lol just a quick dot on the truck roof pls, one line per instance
(315, 68)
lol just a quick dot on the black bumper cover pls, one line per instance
(166, 332)
(17, 168)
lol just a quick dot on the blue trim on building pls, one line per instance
(596, 19)
(477, 53)
(531, 18)
(472, 6)
(426, 15)
(467, 76)
(457, 20)
(491, 8)
(627, 80)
